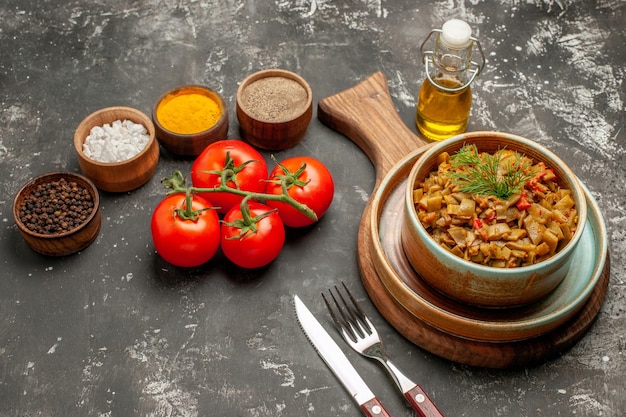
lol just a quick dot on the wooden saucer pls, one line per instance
(366, 115)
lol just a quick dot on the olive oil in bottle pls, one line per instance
(442, 114)
(445, 97)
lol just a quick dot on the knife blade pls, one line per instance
(337, 361)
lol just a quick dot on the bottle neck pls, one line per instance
(452, 62)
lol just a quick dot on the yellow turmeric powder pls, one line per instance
(188, 112)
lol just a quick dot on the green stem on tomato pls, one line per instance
(288, 179)
(188, 213)
(230, 170)
(177, 184)
(247, 224)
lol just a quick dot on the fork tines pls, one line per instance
(351, 318)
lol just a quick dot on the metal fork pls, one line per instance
(359, 332)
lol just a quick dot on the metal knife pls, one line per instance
(338, 362)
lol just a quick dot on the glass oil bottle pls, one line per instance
(445, 97)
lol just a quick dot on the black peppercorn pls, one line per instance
(56, 207)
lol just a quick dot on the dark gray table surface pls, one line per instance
(115, 331)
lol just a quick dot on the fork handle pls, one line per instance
(421, 403)
(374, 408)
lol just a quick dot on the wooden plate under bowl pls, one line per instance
(366, 115)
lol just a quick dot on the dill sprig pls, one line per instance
(487, 174)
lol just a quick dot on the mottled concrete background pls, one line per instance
(114, 331)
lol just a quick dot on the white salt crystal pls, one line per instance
(116, 142)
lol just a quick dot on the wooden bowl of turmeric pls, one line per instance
(189, 118)
(492, 219)
(274, 109)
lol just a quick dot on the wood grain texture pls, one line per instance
(422, 403)
(366, 115)
(374, 408)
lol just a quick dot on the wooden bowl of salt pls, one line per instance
(117, 148)
(274, 109)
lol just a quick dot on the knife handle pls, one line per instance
(374, 408)
(422, 403)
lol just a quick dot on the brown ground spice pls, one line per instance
(274, 99)
(56, 207)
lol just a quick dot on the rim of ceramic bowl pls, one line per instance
(274, 72)
(214, 95)
(144, 120)
(46, 178)
(483, 270)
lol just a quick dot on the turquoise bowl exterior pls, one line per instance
(476, 284)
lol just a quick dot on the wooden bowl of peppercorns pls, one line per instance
(58, 213)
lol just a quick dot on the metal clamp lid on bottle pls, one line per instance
(474, 67)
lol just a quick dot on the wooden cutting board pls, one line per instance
(366, 115)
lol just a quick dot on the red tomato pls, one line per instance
(248, 176)
(184, 242)
(248, 248)
(312, 185)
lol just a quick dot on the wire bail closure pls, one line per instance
(475, 68)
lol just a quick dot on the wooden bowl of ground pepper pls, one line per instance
(189, 118)
(274, 108)
(58, 213)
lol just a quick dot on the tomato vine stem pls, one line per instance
(178, 184)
